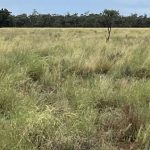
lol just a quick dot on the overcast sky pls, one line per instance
(76, 6)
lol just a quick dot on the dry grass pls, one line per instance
(66, 89)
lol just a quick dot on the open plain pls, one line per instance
(67, 89)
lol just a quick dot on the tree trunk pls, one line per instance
(109, 31)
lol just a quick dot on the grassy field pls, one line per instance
(67, 89)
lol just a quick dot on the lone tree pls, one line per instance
(109, 18)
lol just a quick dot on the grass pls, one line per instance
(67, 89)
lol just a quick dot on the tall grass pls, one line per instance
(66, 89)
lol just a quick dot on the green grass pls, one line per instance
(67, 89)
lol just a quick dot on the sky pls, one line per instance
(125, 7)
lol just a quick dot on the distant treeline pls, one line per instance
(70, 20)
